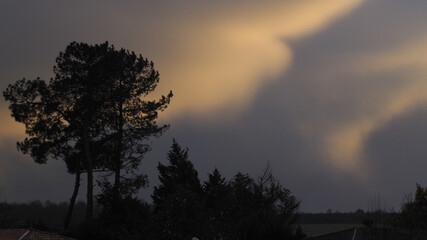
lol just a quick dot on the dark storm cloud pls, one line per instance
(398, 155)
(263, 135)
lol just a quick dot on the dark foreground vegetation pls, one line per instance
(183, 207)
(42, 216)
(212, 216)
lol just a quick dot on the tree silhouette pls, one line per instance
(91, 114)
(60, 116)
(263, 208)
(53, 131)
(218, 206)
(413, 214)
(127, 119)
(242, 208)
(178, 199)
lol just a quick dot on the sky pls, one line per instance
(332, 94)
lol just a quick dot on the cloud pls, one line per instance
(222, 61)
(214, 56)
(345, 144)
(9, 129)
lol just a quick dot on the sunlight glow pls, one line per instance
(345, 144)
(221, 62)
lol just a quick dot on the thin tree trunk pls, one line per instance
(89, 169)
(89, 208)
(72, 200)
(118, 160)
(117, 180)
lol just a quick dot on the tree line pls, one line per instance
(95, 115)
(183, 207)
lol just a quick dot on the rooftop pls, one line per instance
(29, 234)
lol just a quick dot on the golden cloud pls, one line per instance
(217, 57)
(221, 61)
(344, 144)
(9, 129)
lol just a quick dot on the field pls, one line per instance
(313, 230)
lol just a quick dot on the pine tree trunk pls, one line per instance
(89, 208)
(118, 160)
(72, 200)
(117, 180)
(89, 169)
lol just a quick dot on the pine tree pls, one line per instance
(179, 174)
(92, 115)
(178, 199)
(218, 206)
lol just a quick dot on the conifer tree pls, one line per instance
(179, 174)
(178, 199)
(218, 206)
